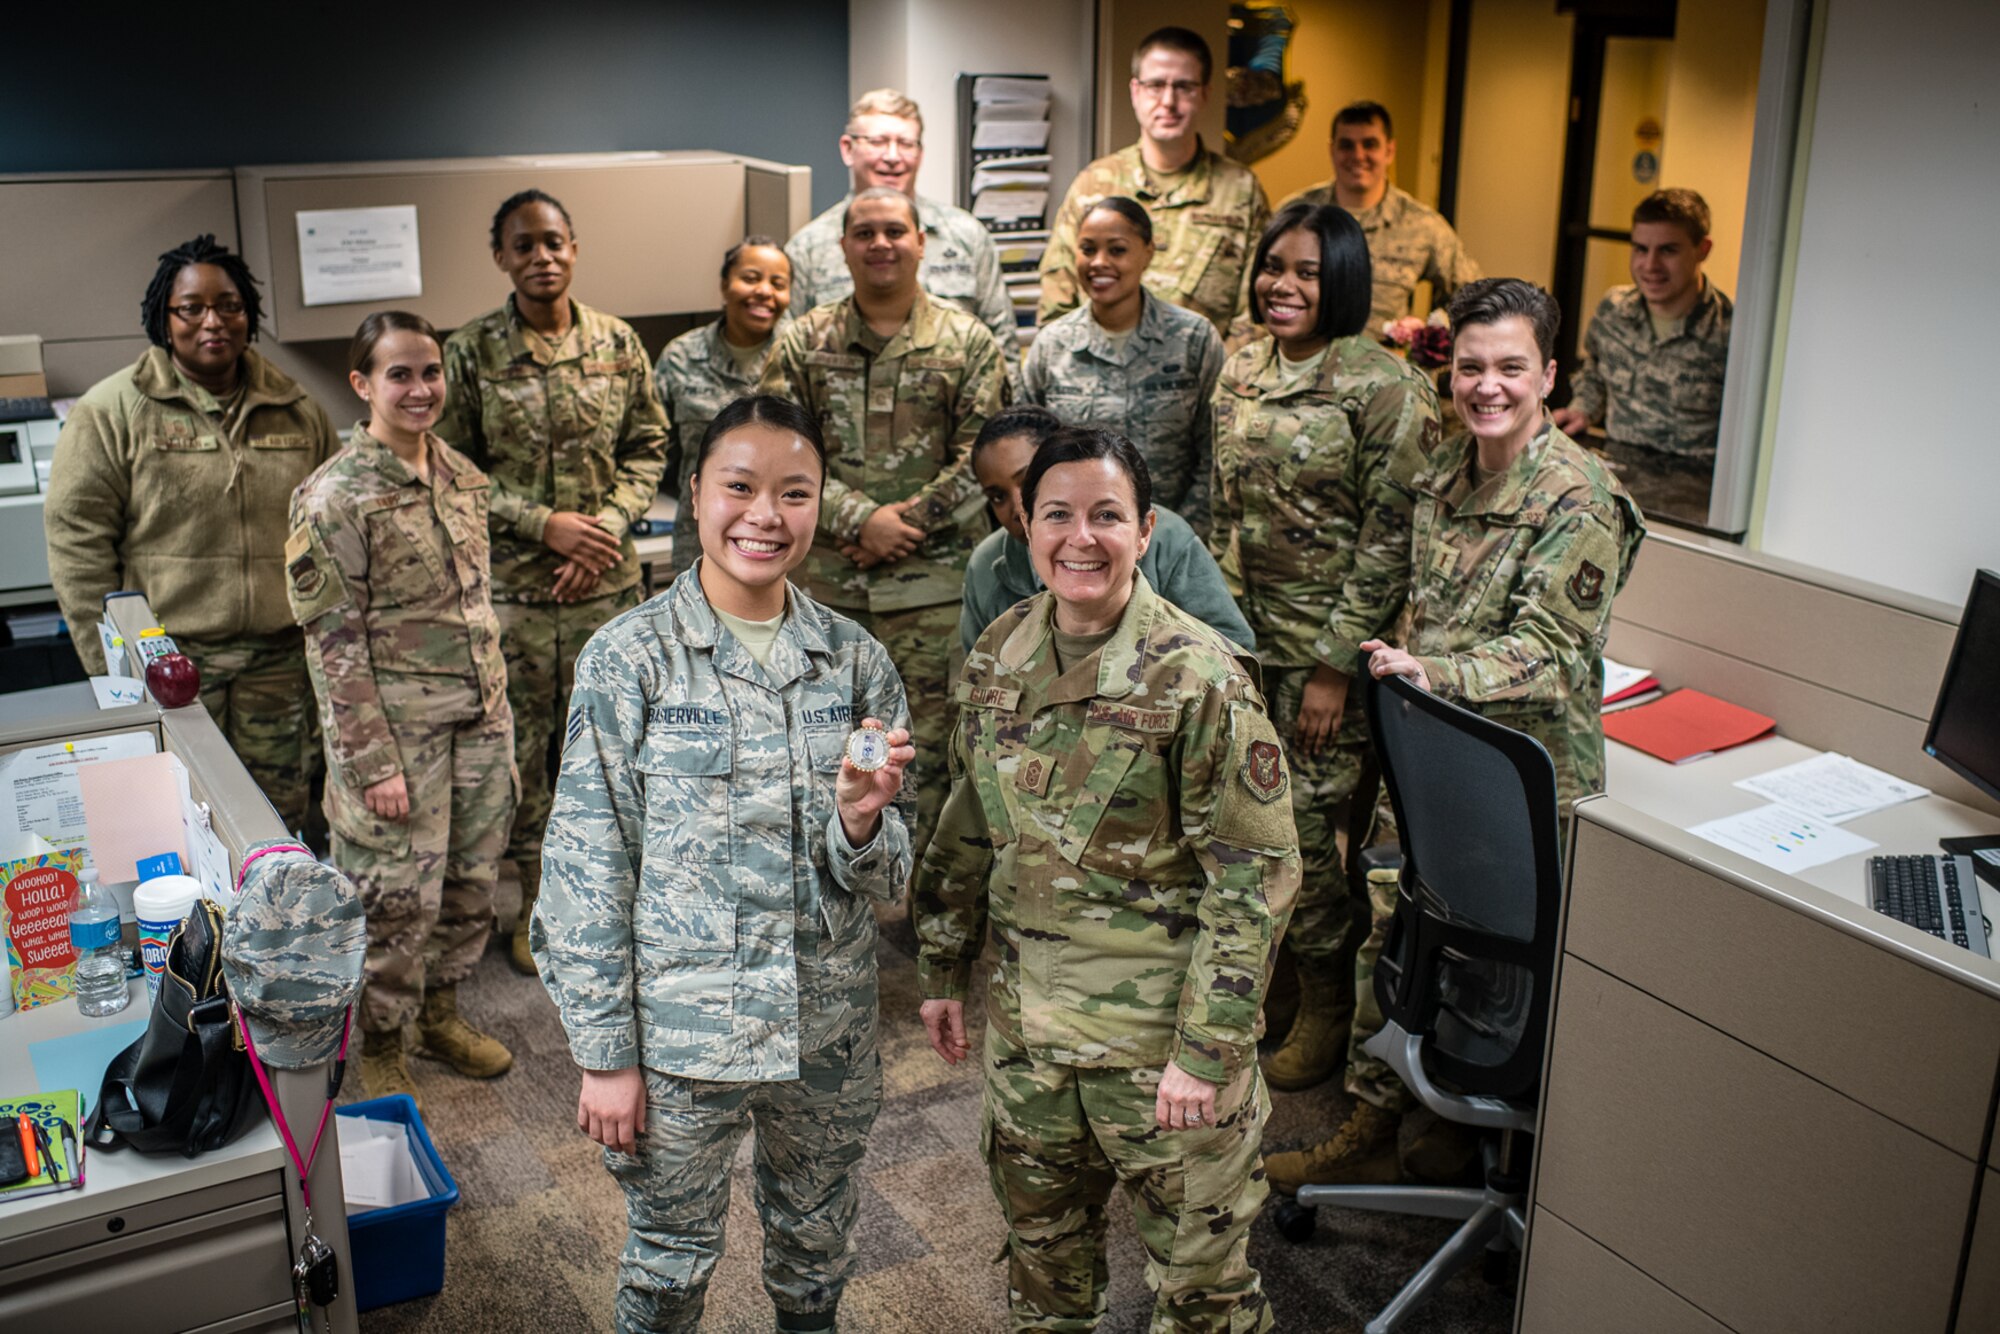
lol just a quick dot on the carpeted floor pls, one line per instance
(532, 1245)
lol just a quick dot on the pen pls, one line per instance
(25, 1129)
(72, 1157)
(48, 1161)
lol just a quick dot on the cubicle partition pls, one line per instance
(1766, 1107)
(164, 1243)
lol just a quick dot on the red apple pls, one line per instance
(174, 680)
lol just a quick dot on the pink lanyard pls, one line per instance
(304, 1164)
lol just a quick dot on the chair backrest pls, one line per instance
(1470, 956)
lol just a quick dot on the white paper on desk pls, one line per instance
(1782, 839)
(116, 692)
(358, 254)
(1832, 787)
(1617, 677)
(134, 809)
(39, 792)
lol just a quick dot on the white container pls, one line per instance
(160, 905)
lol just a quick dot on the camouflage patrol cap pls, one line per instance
(292, 950)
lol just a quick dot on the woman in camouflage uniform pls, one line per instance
(1318, 431)
(705, 369)
(704, 926)
(1130, 362)
(554, 400)
(387, 571)
(1118, 812)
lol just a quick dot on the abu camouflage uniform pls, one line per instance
(698, 375)
(387, 573)
(961, 268)
(899, 414)
(1153, 389)
(1207, 220)
(160, 487)
(704, 916)
(1510, 603)
(1123, 827)
(1408, 243)
(573, 427)
(1658, 393)
(1312, 510)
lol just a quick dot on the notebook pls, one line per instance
(58, 1114)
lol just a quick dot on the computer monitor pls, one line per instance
(1964, 734)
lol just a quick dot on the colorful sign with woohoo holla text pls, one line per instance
(36, 895)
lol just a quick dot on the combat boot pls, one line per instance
(385, 1067)
(450, 1039)
(1316, 1048)
(1361, 1152)
(531, 888)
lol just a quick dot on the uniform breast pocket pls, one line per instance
(687, 796)
(824, 751)
(1111, 802)
(403, 567)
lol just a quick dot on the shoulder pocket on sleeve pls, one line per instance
(312, 580)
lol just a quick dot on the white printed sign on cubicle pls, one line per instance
(359, 254)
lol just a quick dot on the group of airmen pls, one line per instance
(442, 586)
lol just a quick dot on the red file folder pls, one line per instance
(1686, 725)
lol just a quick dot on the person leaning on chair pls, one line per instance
(1524, 648)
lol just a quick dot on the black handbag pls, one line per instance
(185, 1086)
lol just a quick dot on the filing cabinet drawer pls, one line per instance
(1574, 1284)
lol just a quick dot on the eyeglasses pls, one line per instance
(880, 142)
(193, 312)
(1185, 89)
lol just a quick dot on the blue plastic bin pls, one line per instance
(399, 1251)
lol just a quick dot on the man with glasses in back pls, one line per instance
(883, 145)
(1207, 211)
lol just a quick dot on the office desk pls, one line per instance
(1765, 1106)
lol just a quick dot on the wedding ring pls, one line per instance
(1194, 1118)
(868, 749)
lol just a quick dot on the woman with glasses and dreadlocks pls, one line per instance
(172, 478)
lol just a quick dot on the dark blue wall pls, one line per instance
(107, 87)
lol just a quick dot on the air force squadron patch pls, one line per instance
(1264, 771)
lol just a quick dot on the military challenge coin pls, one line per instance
(868, 749)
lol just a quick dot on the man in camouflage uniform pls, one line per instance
(1312, 510)
(1208, 212)
(387, 572)
(1123, 828)
(883, 145)
(901, 386)
(704, 926)
(1510, 602)
(161, 487)
(1152, 386)
(567, 428)
(1408, 243)
(1655, 352)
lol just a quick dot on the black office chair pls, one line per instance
(1464, 975)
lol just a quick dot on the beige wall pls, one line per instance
(1712, 92)
(1510, 157)
(1635, 90)
(1345, 51)
(1120, 26)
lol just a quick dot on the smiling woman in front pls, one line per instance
(729, 798)
(1118, 812)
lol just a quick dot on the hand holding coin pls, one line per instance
(871, 773)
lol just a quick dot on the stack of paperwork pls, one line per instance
(1010, 158)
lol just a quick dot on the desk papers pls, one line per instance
(39, 791)
(1784, 840)
(358, 254)
(1832, 787)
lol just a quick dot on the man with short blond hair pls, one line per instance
(883, 145)
(1208, 212)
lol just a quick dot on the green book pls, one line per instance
(59, 1115)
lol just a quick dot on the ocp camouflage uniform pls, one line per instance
(1312, 510)
(1510, 604)
(899, 415)
(961, 268)
(1207, 220)
(703, 915)
(1153, 389)
(1408, 243)
(571, 427)
(698, 375)
(387, 573)
(160, 487)
(1123, 827)
(1659, 392)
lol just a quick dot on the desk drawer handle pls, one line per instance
(116, 1225)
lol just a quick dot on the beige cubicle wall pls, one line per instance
(1841, 664)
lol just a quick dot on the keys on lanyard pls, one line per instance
(315, 1277)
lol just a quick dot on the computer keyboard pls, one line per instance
(1924, 891)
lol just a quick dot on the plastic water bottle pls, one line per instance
(93, 933)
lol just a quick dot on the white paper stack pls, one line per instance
(1010, 160)
(378, 1165)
